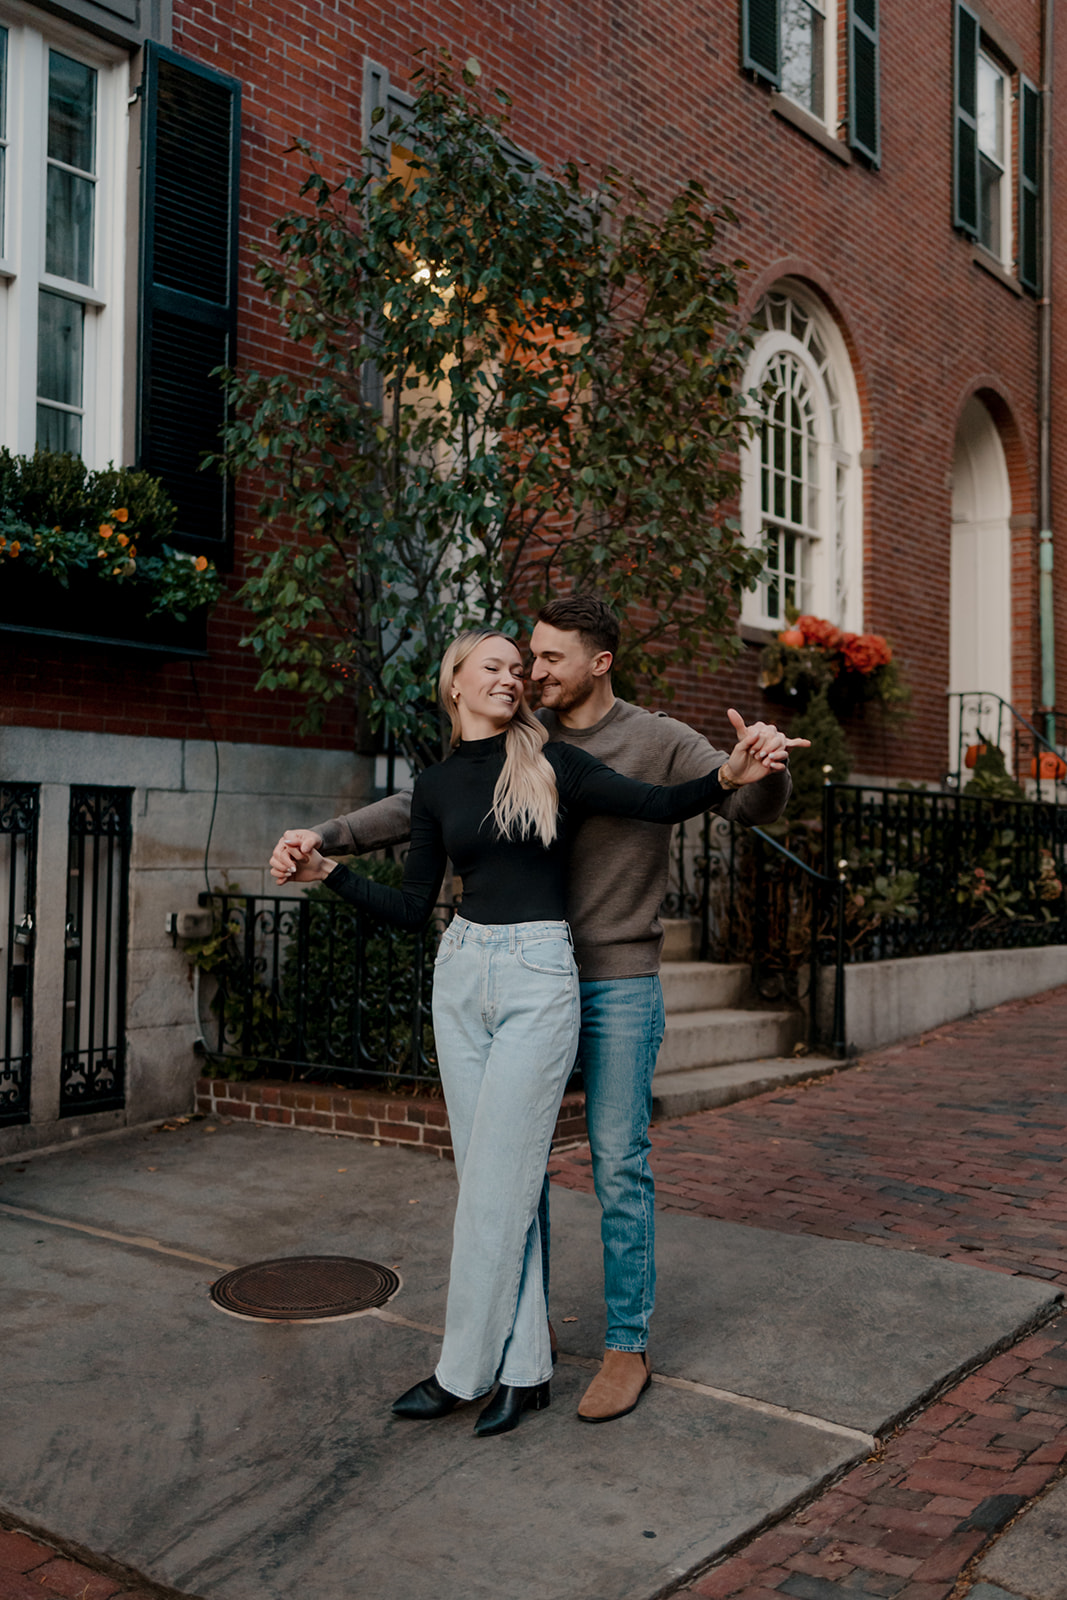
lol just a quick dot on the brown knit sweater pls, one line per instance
(618, 872)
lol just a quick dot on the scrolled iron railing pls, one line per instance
(313, 988)
(758, 902)
(979, 716)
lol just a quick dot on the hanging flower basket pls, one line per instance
(812, 655)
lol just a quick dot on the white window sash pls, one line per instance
(31, 35)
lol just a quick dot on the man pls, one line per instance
(618, 879)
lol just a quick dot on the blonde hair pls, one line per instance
(525, 800)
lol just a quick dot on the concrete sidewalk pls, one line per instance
(246, 1461)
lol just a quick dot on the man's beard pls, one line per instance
(565, 699)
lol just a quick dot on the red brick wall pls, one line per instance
(654, 88)
(417, 1123)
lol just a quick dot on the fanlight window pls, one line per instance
(801, 503)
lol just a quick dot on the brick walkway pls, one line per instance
(30, 1570)
(952, 1145)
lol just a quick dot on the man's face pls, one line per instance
(563, 667)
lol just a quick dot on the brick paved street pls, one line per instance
(30, 1570)
(952, 1145)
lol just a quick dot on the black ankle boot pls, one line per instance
(425, 1401)
(505, 1409)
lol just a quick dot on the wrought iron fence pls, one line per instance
(312, 987)
(924, 872)
(931, 872)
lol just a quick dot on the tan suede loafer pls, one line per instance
(617, 1387)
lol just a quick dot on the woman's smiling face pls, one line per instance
(488, 687)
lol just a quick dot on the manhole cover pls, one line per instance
(305, 1289)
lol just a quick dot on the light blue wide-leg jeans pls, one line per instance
(505, 1014)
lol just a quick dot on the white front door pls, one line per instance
(980, 609)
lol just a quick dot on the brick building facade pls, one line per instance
(883, 172)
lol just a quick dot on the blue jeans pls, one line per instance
(622, 1030)
(505, 1014)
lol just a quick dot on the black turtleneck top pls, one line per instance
(508, 880)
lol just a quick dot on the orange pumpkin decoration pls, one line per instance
(792, 637)
(1048, 765)
(972, 753)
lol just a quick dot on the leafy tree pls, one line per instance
(506, 381)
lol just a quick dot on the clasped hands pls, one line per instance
(760, 749)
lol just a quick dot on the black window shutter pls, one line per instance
(1029, 186)
(965, 142)
(864, 132)
(190, 140)
(759, 40)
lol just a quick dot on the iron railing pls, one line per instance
(984, 718)
(758, 902)
(312, 987)
(931, 872)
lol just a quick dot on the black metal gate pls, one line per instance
(19, 805)
(94, 981)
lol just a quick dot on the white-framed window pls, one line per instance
(808, 33)
(64, 154)
(994, 143)
(801, 485)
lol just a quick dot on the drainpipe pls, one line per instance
(1044, 388)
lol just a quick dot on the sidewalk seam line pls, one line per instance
(139, 1241)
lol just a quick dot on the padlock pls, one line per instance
(24, 931)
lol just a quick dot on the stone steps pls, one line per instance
(703, 985)
(714, 1037)
(677, 1094)
(718, 1047)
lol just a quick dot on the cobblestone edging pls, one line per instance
(417, 1122)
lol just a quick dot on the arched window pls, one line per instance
(801, 497)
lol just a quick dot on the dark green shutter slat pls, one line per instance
(965, 142)
(759, 40)
(1029, 186)
(864, 132)
(190, 144)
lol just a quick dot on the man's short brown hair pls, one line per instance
(586, 614)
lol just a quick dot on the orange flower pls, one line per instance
(58, 528)
(819, 633)
(132, 550)
(865, 653)
(121, 515)
(106, 530)
(201, 563)
(123, 539)
(15, 547)
(3, 542)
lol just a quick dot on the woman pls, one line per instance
(504, 808)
